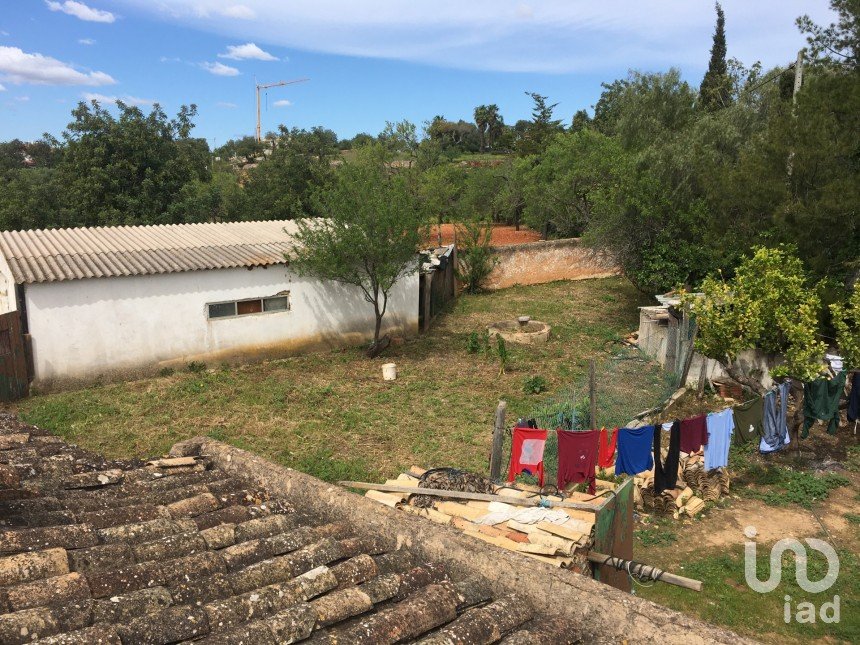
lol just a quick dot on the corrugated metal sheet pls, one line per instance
(51, 255)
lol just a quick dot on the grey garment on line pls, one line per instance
(775, 427)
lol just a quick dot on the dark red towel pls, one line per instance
(694, 433)
(577, 457)
(527, 453)
(606, 452)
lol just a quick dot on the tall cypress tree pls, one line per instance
(714, 91)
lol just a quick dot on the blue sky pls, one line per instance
(368, 60)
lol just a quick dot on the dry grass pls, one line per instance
(332, 415)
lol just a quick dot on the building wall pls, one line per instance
(121, 327)
(540, 262)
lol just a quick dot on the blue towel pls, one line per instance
(634, 450)
(720, 427)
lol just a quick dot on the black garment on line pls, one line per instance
(666, 474)
(854, 398)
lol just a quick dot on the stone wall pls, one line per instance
(540, 262)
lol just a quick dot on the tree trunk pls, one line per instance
(734, 372)
(378, 345)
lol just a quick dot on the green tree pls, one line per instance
(714, 92)
(372, 229)
(541, 128)
(846, 322)
(482, 118)
(768, 305)
(838, 43)
(129, 169)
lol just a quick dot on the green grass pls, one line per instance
(727, 600)
(331, 414)
(778, 486)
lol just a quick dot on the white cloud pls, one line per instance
(238, 11)
(170, 59)
(554, 36)
(2, 89)
(104, 99)
(22, 99)
(17, 66)
(220, 69)
(246, 52)
(81, 11)
(227, 105)
(283, 103)
(86, 41)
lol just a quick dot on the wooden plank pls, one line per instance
(498, 442)
(455, 494)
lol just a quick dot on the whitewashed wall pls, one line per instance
(84, 329)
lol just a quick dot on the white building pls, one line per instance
(123, 301)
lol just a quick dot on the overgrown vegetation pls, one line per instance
(437, 412)
(768, 305)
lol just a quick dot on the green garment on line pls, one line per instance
(749, 418)
(821, 401)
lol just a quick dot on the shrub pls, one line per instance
(473, 345)
(535, 385)
(846, 322)
(196, 367)
(767, 305)
(475, 258)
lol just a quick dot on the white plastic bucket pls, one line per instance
(389, 372)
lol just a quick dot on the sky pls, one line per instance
(367, 61)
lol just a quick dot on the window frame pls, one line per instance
(262, 300)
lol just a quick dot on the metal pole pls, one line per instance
(498, 442)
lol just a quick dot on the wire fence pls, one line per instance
(626, 383)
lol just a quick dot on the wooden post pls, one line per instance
(592, 394)
(428, 288)
(498, 442)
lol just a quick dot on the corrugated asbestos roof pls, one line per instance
(50, 255)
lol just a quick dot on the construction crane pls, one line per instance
(265, 86)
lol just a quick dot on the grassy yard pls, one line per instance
(332, 415)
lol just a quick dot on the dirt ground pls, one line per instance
(501, 235)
